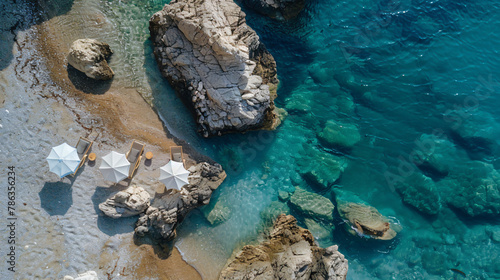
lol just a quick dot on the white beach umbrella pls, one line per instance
(63, 160)
(174, 175)
(114, 167)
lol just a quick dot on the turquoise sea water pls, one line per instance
(399, 71)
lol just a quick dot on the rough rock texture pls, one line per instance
(288, 253)
(89, 56)
(362, 219)
(319, 168)
(474, 188)
(130, 202)
(217, 64)
(281, 9)
(217, 214)
(312, 205)
(339, 134)
(89, 275)
(420, 192)
(169, 209)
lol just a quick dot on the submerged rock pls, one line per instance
(438, 153)
(276, 208)
(217, 64)
(340, 134)
(169, 209)
(218, 214)
(312, 205)
(320, 168)
(281, 9)
(89, 56)
(362, 219)
(130, 202)
(420, 192)
(289, 252)
(474, 188)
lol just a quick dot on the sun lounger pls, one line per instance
(176, 154)
(83, 148)
(134, 155)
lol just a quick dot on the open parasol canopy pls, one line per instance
(174, 175)
(114, 167)
(63, 160)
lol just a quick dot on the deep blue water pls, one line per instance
(397, 71)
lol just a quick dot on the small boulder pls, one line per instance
(130, 202)
(339, 134)
(362, 219)
(312, 205)
(218, 214)
(89, 56)
(319, 168)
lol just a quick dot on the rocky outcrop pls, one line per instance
(217, 64)
(130, 202)
(169, 209)
(89, 56)
(364, 220)
(281, 9)
(288, 253)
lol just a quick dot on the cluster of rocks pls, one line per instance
(289, 252)
(451, 179)
(89, 56)
(162, 216)
(280, 9)
(217, 64)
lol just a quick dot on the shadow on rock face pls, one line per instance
(86, 84)
(56, 197)
(21, 15)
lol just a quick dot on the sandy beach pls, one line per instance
(60, 230)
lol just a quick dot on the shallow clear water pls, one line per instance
(395, 70)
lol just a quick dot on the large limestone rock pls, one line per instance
(89, 56)
(217, 64)
(288, 253)
(169, 209)
(281, 9)
(312, 205)
(130, 202)
(362, 219)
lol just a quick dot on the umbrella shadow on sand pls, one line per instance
(107, 224)
(56, 197)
